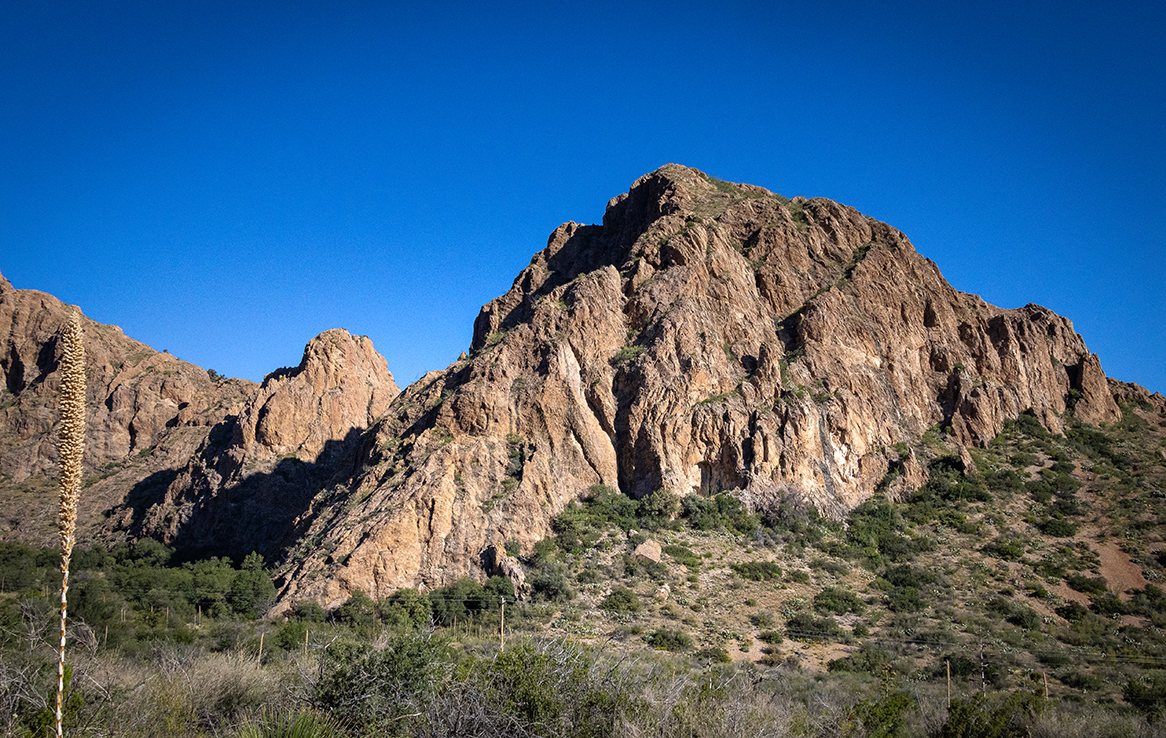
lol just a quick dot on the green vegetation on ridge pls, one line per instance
(1045, 561)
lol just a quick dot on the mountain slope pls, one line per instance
(148, 411)
(707, 337)
(164, 438)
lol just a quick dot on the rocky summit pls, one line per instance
(708, 337)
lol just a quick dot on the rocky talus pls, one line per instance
(706, 337)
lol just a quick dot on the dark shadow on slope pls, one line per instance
(263, 512)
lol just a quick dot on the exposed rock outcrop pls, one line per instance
(213, 464)
(253, 478)
(1128, 393)
(707, 337)
(148, 412)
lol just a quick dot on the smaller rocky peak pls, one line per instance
(335, 354)
(332, 358)
(341, 384)
(5, 287)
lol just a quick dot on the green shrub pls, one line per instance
(798, 576)
(309, 611)
(621, 599)
(868, 658)
(462, 600)
(979, 718)
(627, 355)
(1028, 424)
(1090, 586)
(960, 665)
(804, 626)
(1005, 548)
(885, 717)
(1059, 528)
(757, 571)
(838, 601)
(723, 511)
(669, 640)
(549, 584)
(685, 556)
(906, 585)
(657, 509)
(1147, 695)
(533, 689)
(405, 608)
(252, 590)
(290, 636)
(378, 689)
(830, 566)
(1024, 617)
(1148, 601)
(358, 611)
(1108, 605)
(905, 600)
(1083, 681)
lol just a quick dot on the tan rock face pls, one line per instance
(1128, 393)
(707, 337)
(147, 413)
(224, 466)
(649, 551)
(253, 477)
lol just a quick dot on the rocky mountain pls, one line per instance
(707, 337)
(156, 423)
(148, 412)
(250, 482)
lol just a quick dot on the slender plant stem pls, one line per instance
(71, 449)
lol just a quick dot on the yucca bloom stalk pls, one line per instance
(71, 449)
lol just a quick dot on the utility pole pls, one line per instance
(948, 662)
(502, 627)
(983, 680)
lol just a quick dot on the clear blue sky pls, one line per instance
(226, 180)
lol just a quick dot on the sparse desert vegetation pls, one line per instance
(776, 623)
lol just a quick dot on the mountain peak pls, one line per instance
(708, 337)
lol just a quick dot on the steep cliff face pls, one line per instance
(148, 411)
(707, 337)
(252, 477)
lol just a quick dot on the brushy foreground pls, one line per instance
(417, 683)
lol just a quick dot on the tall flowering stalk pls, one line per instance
(71, 447)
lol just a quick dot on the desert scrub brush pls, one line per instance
(306, 724)
(71, 450)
